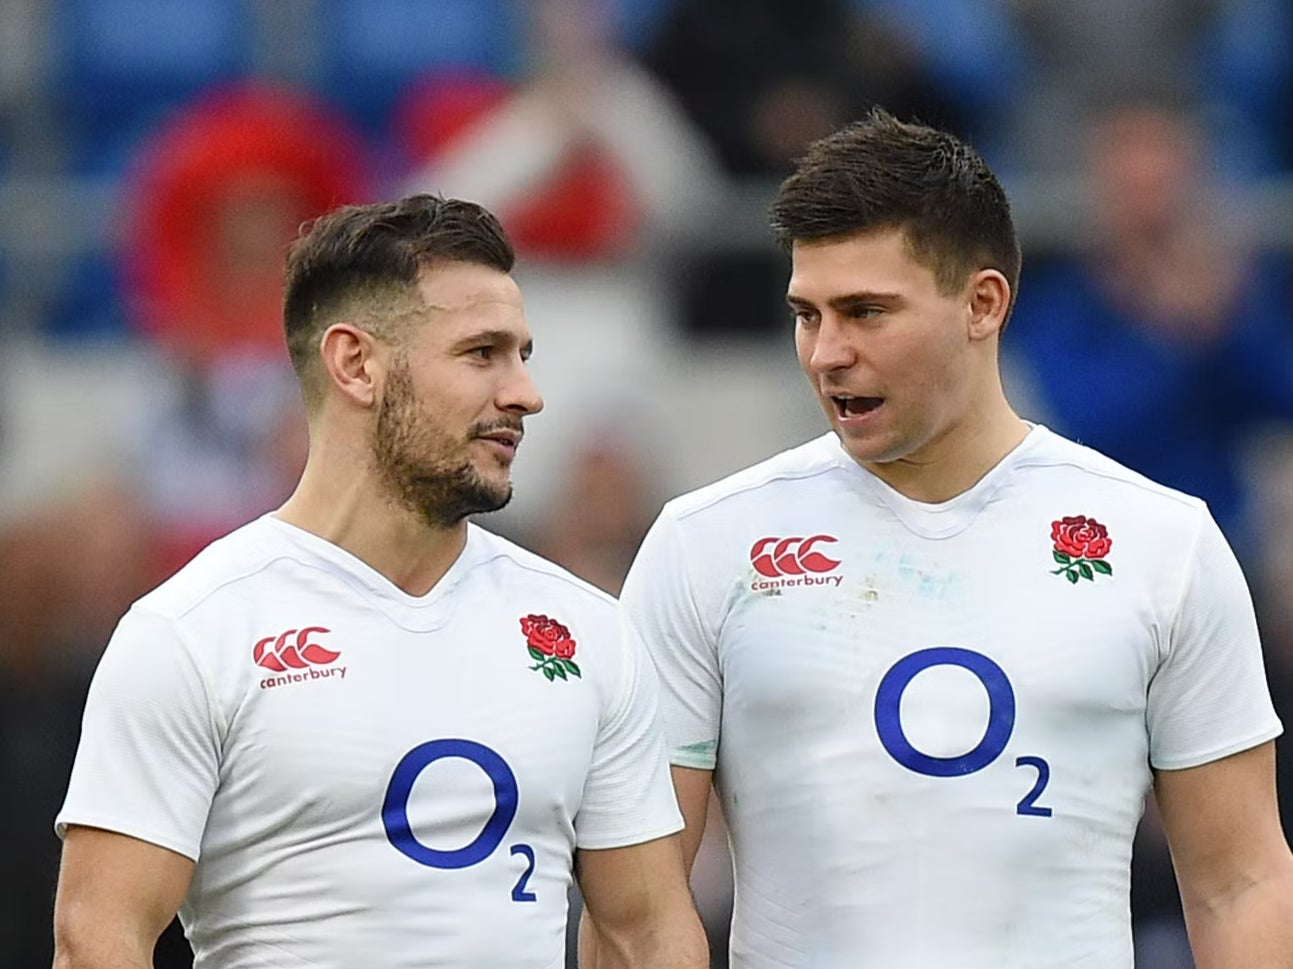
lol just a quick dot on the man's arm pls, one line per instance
(116, 894)
(639, 908)
(1232, 861)
(692, 787)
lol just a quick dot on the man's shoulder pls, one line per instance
(525, 571)
(228, 561)
(768, 480)
(1091, 470)
(1068, 479)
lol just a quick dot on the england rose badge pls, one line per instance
(1081, 547)
(550, 646)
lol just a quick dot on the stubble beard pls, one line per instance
(412, 459)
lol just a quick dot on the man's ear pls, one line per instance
(989, 301)
(353, 362)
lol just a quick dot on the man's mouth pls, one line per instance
(847, 406)
(508, 438)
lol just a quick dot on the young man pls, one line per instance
(934, 660)
(360, 731)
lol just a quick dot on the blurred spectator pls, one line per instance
(1272, 469)
(609, 500)
(69, 567)
(564, 196)
(602, 183)
(764, 79)
(970, 53)
(1168, 342)
(213, 202)
(1233, 58)
(109, 456)
(610, 495)
(587, 158)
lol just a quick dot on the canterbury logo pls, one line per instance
(777, 557)
(293, 650)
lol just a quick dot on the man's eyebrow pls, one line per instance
(493, 336)
(848, 300)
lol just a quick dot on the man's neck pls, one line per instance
(348, 509)
(956, 462)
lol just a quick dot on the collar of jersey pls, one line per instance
(941, 519)
(418, 613)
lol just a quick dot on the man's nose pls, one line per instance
(831, 347)
(520, 393)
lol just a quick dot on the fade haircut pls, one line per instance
(881, 174)
(360, 263)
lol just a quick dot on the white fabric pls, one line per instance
(847, 859)
(275, 782)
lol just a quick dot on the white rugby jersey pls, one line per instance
(933, 724)
(367, 778)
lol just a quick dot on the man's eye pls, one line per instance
(484, 353)
(803, 316)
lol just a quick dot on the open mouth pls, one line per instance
(855, 406)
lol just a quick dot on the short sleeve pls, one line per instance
(659, 602)
(1209, 697)
(147, 764)
(628, 795)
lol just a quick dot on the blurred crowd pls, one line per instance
(146, 402)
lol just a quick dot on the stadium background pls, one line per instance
(155, 157)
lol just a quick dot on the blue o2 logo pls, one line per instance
(1001, 721)
(395, 810)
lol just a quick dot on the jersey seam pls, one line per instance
(1147, 486)
(763, 481)
(558, 573)
(353, 582)
(376, 600)
(240, 577)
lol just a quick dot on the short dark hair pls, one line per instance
(882, 173)
(374, 254)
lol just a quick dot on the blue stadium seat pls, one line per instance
(87, 304)
(637, 22)
(121, 64)
(372, 49)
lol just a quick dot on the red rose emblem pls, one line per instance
(551, 646)
(545, 634)
(1081, 537)
(1081, 543)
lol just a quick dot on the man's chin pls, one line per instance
(490, 497)
(444, 510)
(495, 484)
(865, 450)
(497, 501)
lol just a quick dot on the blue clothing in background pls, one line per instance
(1179, 412)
